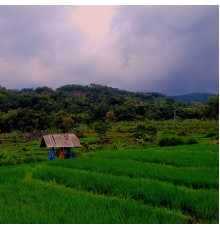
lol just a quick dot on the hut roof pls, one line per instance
(60, 140)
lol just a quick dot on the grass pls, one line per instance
(201, 204)
(141, 184)
(188, 176)
(189, 156)
(98, 188)
(30, 201)
(14, 153)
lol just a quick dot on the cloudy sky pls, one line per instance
(167, 49)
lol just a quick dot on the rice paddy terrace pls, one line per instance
(155, 185)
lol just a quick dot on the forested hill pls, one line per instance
(108, 91)
(73, 98)
(70, 105)
(194, 97)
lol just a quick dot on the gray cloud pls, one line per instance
(168, 49)
(170, 45)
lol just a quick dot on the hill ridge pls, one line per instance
(193, 97)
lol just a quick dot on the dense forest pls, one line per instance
(43, 108)
(194, 97)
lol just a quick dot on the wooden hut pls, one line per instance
(60, 141)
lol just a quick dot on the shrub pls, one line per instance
(191, 141)
(138, 135)
(213, 135)
(147, 133)
(29, 129)
(170, 141)
(79, 131)
(141, 127)
(101, 129)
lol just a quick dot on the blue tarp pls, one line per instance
(71, 155)
(52, 155)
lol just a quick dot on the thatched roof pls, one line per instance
(60, 140)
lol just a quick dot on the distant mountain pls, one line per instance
(194, 97)
(103, 90)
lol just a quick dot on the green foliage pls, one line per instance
(110, 116)
(212, 109)
(151, 192)
(41, 202)
(63, 121)
(145, 133)
(133, 186)
(41, 107)
(7, 159)
(194, 97)
(170, 141)
(213, 135)
(190, 177)
(17, 148)
(29, 129)
(136, 188)
(101, 129)
(80, 129)
(191, 141)
(199, 156)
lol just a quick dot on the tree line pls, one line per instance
(43, 108)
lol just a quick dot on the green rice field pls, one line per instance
(160, 185)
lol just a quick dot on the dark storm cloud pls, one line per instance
(168, 49)
(178, 46)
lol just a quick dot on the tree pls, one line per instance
(62, 121)
(110, 116)
(67, 123)
(212, 109)
(126, 111)
(5, 123)
(101, 129)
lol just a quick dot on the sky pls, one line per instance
(142, 48)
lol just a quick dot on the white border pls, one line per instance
(109, 2)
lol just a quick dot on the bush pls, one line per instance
(29, 129)
(101, 129)
(170, 141)
(213, 135)
(191, 141)
(147, 133)
(141, 127)
(138, 135)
